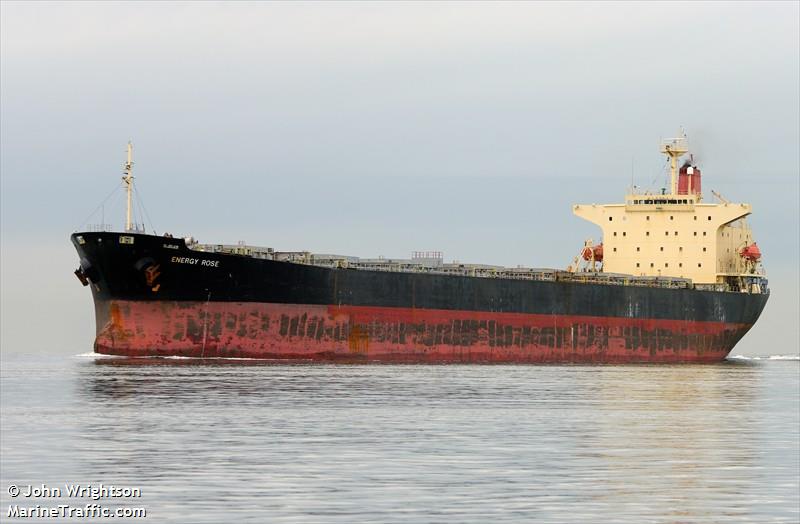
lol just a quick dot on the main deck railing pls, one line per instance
(436, 266)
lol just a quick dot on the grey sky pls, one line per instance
(382, 128)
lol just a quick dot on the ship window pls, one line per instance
(680, 264)
(666, 233)
(662, 249)
(623, 233)
(680, 249)
(704, 233)
(704, 250)
(648, 217)
(695, 233)
(637, 249)
(666, 264)
(699, 264)
(637, 264)
(671, 217)
(647, 234)
(695, 217)
(709, 217)
(651, 264)
(676, 233)
(612, 218)
(615, 250)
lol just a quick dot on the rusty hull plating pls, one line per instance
(329, 333)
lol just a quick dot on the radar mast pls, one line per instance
(674, 148)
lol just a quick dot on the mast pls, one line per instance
(674, 148)
(128, 179)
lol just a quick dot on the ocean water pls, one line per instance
(250, 441)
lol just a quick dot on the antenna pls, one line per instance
(632, 185)
(128, 179)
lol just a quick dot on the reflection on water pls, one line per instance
(265, 441)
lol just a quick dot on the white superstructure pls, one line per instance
(675, 233)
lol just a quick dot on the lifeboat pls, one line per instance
(597, 251)
(750, 253)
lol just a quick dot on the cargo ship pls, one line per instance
(674, 279)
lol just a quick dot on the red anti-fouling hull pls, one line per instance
(358, 333)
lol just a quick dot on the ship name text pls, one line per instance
(195, 261)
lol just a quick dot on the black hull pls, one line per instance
(156, 270)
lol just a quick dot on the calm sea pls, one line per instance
(248, 441)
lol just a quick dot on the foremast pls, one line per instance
(127, 179)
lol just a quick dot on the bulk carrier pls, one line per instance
(675, 279)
